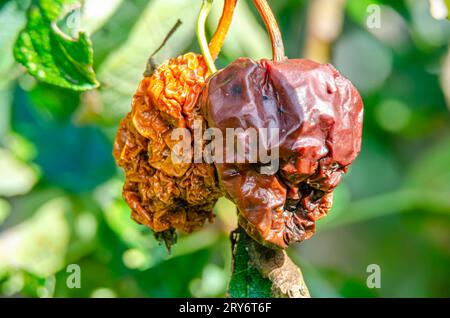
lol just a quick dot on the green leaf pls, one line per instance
(52, 56)
(246, 281)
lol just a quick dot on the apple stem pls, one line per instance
(272, 27)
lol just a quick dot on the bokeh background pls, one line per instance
(60, 191)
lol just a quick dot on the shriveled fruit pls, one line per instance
(318, 114)
(162, 194)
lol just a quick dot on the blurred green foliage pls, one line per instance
(60, 200)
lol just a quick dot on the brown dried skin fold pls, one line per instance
(161, 194)
(319, 116)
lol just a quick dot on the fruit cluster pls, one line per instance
(316, 110)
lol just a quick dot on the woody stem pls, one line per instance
(273, 29)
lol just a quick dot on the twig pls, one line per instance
(151, 64)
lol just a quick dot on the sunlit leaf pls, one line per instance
(52, 56)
